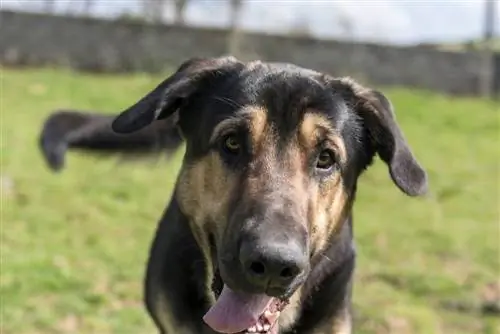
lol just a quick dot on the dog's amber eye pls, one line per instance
(231, 144)
(325, 160)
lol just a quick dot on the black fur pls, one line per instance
(174, 270)
(193, 101)
(76, 129)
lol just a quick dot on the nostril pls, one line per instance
(257, 268)
(287, 273)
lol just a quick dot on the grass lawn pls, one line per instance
(74, 245)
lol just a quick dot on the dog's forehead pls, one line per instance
(286, 93)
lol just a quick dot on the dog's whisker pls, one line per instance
(326, 257)
(228, 101)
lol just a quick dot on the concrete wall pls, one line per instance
(98, 45)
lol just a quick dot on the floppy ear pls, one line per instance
(379, 119)
(171, 94)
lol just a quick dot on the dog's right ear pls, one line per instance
(170, 95)
(377, 115)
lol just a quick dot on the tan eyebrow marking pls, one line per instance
(258, 119)
(254, 116)
(310, 127)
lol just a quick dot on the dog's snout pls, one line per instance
(274, 265)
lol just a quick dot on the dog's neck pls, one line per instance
(325, 263)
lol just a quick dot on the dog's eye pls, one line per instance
(231, 144)
(325, 160)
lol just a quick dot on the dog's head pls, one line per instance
(273, 154)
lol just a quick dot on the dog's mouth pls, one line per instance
(239, 312)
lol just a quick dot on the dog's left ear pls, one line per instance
(173, 93)
(379, 119)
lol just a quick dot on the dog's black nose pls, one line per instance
(272, 266)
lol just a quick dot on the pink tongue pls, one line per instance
(234, 311)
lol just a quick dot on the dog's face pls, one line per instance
(273, 154)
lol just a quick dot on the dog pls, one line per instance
(257, 237)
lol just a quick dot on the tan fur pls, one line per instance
(311, 128)
(254, 116)
(289, 183)
(291, 312)
(164, 314)
(342, 324)
(205, 187)
(203, 192)
(322, 205)
(258, 121)
(327, 201)
(261, 170)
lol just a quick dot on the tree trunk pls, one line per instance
(153, 10)
(49, 6)
(487, 66)
(234, 34)
(87, 7)
(179, 8)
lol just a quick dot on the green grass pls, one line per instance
(74, 245)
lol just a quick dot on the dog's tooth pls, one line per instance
(271, 316)
(266, 327)
(259, 326)
(252, 329)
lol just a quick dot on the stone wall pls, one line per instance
(119, 46)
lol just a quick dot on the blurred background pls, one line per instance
(74, 244)
(317, 34)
